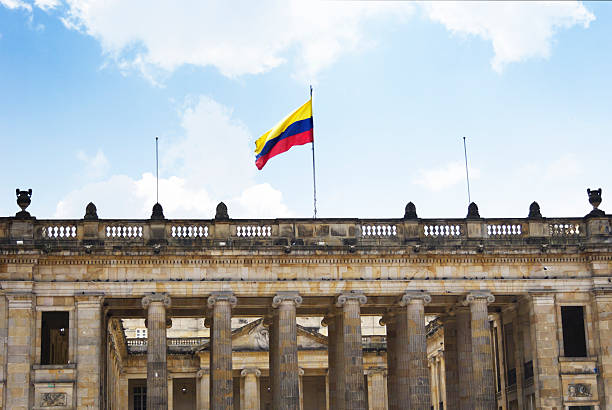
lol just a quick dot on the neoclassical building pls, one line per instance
(343, 313)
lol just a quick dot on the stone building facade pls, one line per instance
(403, 313)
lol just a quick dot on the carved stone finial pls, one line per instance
(23, 201)
(221, 213)
(473, 211)
(281, 297)
(91, 213)
(410, 211)
(595, 200)
(158, 212)
(534, 211)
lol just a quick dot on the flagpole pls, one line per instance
(314, 180)
(467, 175)
(157, 169)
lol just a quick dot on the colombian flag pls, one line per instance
(295, 129)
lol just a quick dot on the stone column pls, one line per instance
(327, 403)
(388, 320)
(333, 399)
(451, 373)
(285, 351)
(157, 366)
(301, 374)
(351, 354)
(89, 350)
(203, 390)
(482, 355)
(409, 357)
(603, 309)
(249, 388)
(170, 393)
(376, 389)
(19, 351)
(464, 358)
(548, 392)
(221, 383)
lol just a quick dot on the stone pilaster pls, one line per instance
(170, 393)
(19, 351)
(451, 369)
(464, 358)
(482, 352)
(249, 388)
(376, 389)
(284, 338)
(221, 383)
(353, 386)
(603, 309)
(301, 374)
(88, 350)
(543, 317)
(203, 389)
(157, 366)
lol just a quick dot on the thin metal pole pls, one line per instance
(467, 174)
(157, 168)
(314, 180)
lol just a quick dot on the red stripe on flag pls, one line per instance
(284, 145)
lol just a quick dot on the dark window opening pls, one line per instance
(54, 338)
(581, 407)
(140, 398)
(496, 358)
(509, 354)
(511, 377)
(528, 370)
(574, 338)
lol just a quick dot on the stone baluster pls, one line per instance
(352, 383)
(285, 352)
(482, 353)
(411, 352)
(249, 388)
(464, 358)
(221, 383)
(157, 366)
(451, 373)
(203, 390)
(376, 388)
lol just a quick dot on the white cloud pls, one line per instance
(437, 179)
(46, 4)
(517, 30)
(238, 37)
(16, 4)
(96, 166)
(211, 163)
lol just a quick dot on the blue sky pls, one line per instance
(85, 86)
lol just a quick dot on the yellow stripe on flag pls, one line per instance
(302, 113)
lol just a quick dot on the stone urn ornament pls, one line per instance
(595, 200)
(23, 201)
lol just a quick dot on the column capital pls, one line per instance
(250, 370)
(202, 372)
(354, 295)
(327, 319)
(221, 297)
(300, 371)
(156, 297)
(410, 295)
(387, 318)
(282, 297)
(479, 295)
(376, 370)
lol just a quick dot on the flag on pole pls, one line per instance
(295, 129)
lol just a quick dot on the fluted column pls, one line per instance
(301, 375)
(389, 321)
(351, 354)
(285, 351)
(203, 390)
(482, 353)
(464, 358)
(333, 365)
(157, 366)
(376, 389)
(451, 373)
(221, 382)
(249, 388)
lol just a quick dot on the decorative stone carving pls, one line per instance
(595, 200)
(221, 212)
(202, 372)
(354, 295)
(156, 297)
(23, 201)
(250, 370)
(91, 212)
(221, 296)
(53, 400)
(579, 390)
(409, 295)
(534, 211)
(410, 211)
(158, 212)
(473, 211)
(472, 296)
(281, 297)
